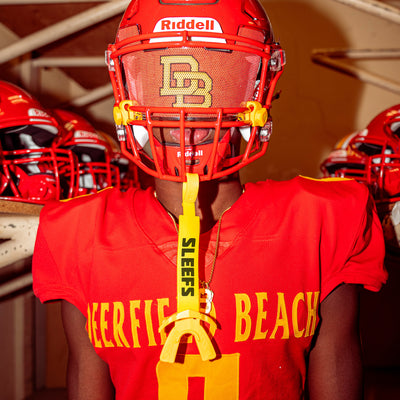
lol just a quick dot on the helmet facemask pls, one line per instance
(32, 170)
(93, 152)
(182, 99)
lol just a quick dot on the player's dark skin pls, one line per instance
(335, 368)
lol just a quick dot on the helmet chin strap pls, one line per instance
(187, 319)
(256, 116)
(245, 131)
(141, 134)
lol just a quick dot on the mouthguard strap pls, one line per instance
(188, 248)
(187, 319)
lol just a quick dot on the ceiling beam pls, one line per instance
(34, 2)
(92, 96)
(358, 54)
(331, 59)
(46, 62)
(62, 29)
(374, 7)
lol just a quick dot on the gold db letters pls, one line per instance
(181, 87)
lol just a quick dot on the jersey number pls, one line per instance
(219, 379)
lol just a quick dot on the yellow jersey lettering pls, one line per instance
(295, 315)
(118, 321)
(104, 308)
(135, 323)
(243, 320)
(281, 318)
(149, 322)
(312, 307)
(96, 341)
(261, 316)
(118, 324)
(129, 324)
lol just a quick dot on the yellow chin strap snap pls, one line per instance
(188, 318)
(123, 115)
(255, 115)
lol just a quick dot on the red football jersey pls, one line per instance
(283, 247)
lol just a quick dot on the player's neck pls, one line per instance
(214, 198)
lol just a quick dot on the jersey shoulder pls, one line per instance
(336, 189)
(83, 209)
(315, 195)
(344, 199)
(302, 186)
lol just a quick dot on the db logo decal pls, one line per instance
(182, 83)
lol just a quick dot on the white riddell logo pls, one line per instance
(191, 153)
(35, 112)
(188, 24)
(84, 134)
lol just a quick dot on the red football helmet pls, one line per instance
(371, 156)
(382, 143)
(31, 170)
(94, 152)
(346, 161)
(190, 78)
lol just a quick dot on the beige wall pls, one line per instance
(318, 106)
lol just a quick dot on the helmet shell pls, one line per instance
(93, 151)
(168, 67)
(18, 107)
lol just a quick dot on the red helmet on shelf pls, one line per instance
(31, 169)
(346, 161)
(382, 143)
(191, 78)
(93, 151)
(371, 156)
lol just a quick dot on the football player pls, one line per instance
(201, 287)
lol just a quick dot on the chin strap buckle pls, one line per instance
(256, 115)
(123, 115)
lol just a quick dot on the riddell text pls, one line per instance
(167, 25)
